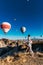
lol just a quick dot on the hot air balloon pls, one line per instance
(40, 35)
(27, 0)
(14, 19)
(23, 29)
(6, 26)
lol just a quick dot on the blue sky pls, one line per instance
(28, 14)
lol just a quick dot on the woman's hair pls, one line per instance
(28, 35)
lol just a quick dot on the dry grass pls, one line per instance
(22, 59)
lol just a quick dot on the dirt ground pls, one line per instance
(23, 59)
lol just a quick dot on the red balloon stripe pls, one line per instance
(5, 26)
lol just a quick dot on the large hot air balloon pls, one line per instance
(6, 26)
(23, 29)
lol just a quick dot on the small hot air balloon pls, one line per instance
(14, 19)
(6, 26)
(23, 29)
(27, 0)
(40, 35)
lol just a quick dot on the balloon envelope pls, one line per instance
(23, 29)
(27, 0)
(6, 26)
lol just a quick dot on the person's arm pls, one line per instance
(31, 41)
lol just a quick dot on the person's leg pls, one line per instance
(31, 51)
(27, 50)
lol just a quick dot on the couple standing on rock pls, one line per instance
(30, 46)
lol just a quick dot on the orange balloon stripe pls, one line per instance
(5, 26)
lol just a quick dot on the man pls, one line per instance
(17, 45)
(30, 46)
